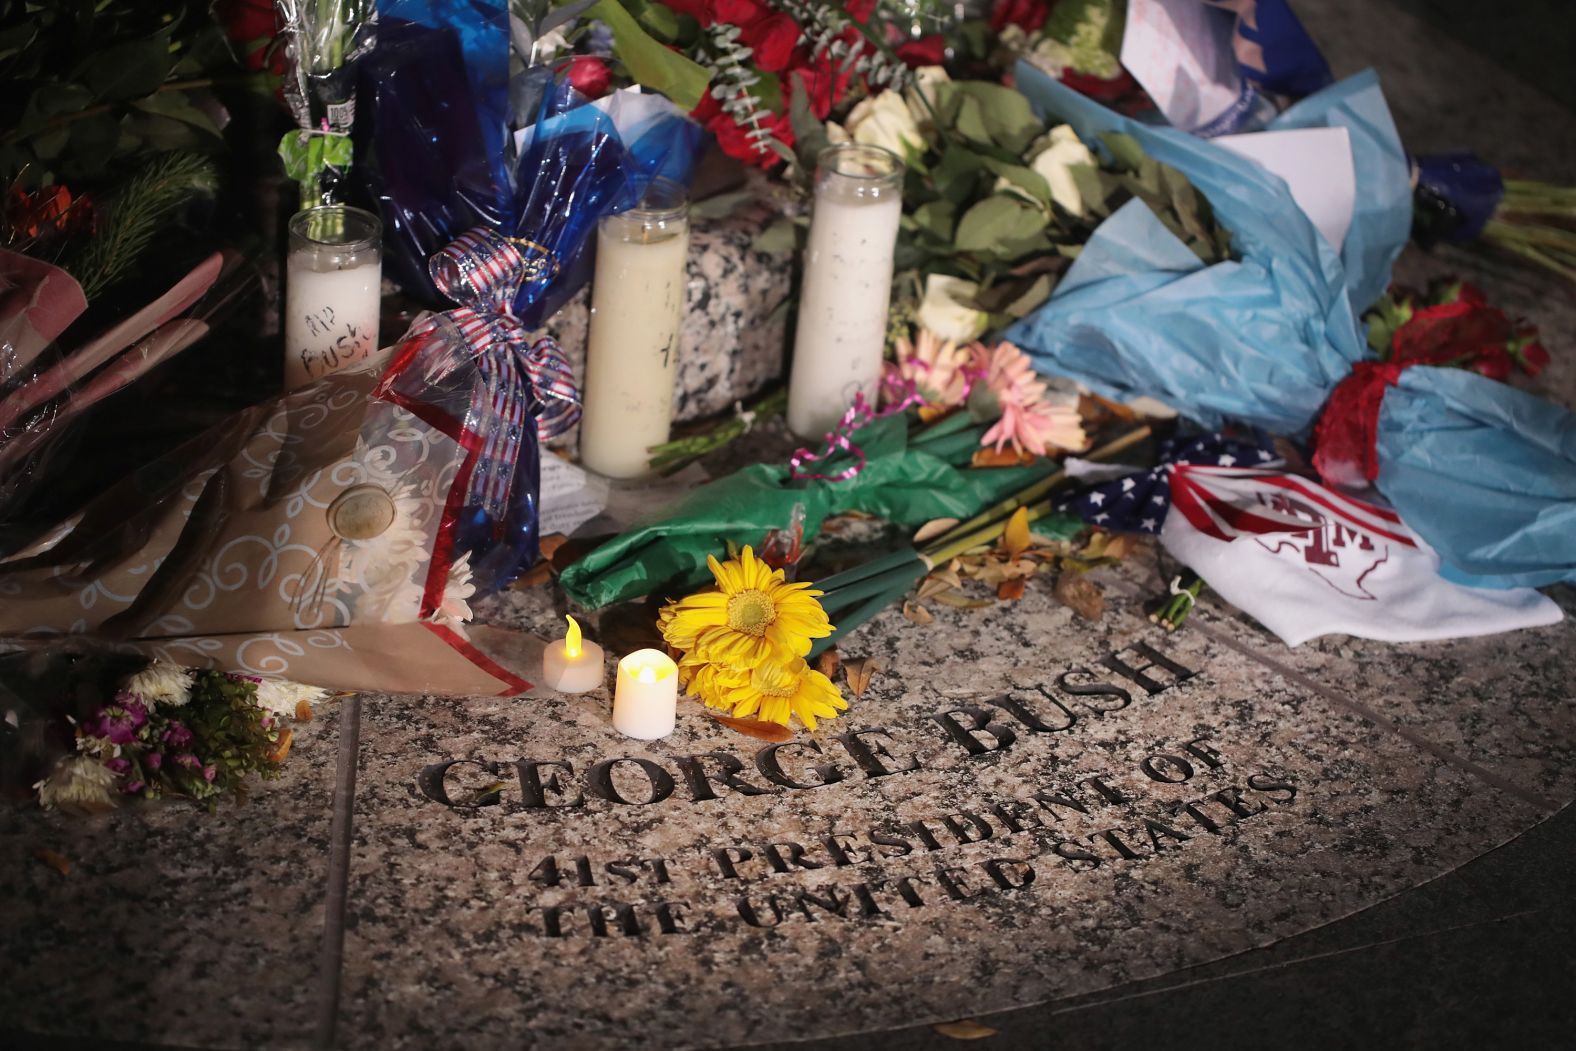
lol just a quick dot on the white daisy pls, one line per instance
(78, 784)
(161, 683)
(281, 696)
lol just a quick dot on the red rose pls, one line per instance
(1028, 15)
(1450, 330)
(589, 75)
(1494, 363)
(251, 26)
(773, 40)
(737, 142)
(824, 84)
(1534, 358)
(739, 12)
(860, 10)
(926, 51)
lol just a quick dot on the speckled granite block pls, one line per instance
(174, 927)
(447, 941)
(734, 338)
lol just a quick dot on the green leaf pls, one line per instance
(1094, 187)
(1026, 179)
(15, 39)
(649, 62)
(720, 205)
(996, 223)
(937, 219)
(957, 176)
(809, 133)
(1009, 120)
(129, 70)
(660, 20)
(780, 238)
(1128, 153)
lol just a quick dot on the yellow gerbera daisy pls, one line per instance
(776, 690)
(710, 682)
(752, 616)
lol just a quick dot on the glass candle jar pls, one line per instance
(637, 306)
(333, 287)
(847, 285)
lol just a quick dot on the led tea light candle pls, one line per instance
(333, 287)
(646, 698)
(847, 283)
(571, 664)
(637, 304)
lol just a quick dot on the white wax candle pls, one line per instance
(646, 697)
(637, 304)
(572, 664)
(331, 318)
(843, 301)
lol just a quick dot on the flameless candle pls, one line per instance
(645, 700)
(847, 283)
(572, 665)
(333, 289)
(637, 303)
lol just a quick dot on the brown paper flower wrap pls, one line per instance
(304, 538)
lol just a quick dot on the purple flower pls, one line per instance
(208, 773)
(119, 721)
(188, 761)
(119, 765)
(153, 760)
(177, 736)
(133, 787)
(235, 676)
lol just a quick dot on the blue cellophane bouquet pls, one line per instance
(1486, 474)
(498, 219)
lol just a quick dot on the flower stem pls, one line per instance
(858, 616)
(1036, 491)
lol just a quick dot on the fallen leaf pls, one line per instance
(1121, 545)
(964, 1029)
(303, 712)
(828, 662)
(54, 860)
(1092, 406)
(1001, 458)
(934, 528)
(1010, 590)
(487, 795)
(917, 614)
(282, 747)
(538, 574)
(858, 673)
(1015, 539)
(773, 732)
(958, 600)
(1078, 593)
(551, 543)
(932, 586)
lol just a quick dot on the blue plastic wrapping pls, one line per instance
(431, 164)
(1262, 338)
(1457, 194)
(1484, 473)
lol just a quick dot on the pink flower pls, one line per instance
(1028, 422)
(936, 369)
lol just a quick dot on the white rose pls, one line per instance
(943, 313)
(1063, 150)
(836, 134)
(926, 88)
(883, 120)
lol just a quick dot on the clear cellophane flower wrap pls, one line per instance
(305, 538)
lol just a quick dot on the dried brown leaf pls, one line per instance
(551, 543)
(1011, 590)
(57, 861)
(538, 574)
(1001, 458)
(930, 587)
(828, 663)
(858, 672)
(916, 614)
(282, 746)
(1121, 545)
(303, 712)
(964, 1029)
(1015, 539)
(1077, 592)
(934, 528)
(776, 733)
(958, 600)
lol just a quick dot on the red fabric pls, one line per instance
(1346, 440)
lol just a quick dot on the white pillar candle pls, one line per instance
(572, 664)
(646, 696)
(847, 284)
(637, 305)
(333, 290)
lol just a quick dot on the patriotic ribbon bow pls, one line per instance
(483, 271)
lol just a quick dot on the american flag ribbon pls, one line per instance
(523, 381)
